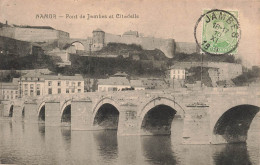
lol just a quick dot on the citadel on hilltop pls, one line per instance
(99, 39)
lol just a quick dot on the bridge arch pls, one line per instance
(66, 111)
(11, 110)
(156, 116)
(106, 114)
(41, 112)
(79, 46)
(234, 123)
(23, 112)
(158, 101)
(40, 107)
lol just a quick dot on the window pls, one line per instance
(49, 83)
(79, 84)
(72, 90)
(38, 92)
(25, 86)
(38, 86)
(50, 91)
(73, 84)
(67, 83)
(59, 90)
(31, 86)
(59, 83)
(31, 92)
(67, 90)
(79, 90)
(16, 92)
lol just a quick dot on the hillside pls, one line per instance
(121, 49)
(247, 77)
(101, 67)
(196, 57)
(10, 62)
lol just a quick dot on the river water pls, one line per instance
(22, 143)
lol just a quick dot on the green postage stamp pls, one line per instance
(220, 32)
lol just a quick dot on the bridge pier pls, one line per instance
(128, 121)
(17, 113)
(81, 115)
(196, 129)
(52, 113)
(30, 111)
(6, 108)
(1, 110)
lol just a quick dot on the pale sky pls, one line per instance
(160, 18)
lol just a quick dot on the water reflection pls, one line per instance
(41, 129)
(24, 143)
(231, 154)
(107, 144)
(157, 149)
(66, 137)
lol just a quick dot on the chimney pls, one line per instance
(6, 22)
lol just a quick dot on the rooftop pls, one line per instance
(53, 77)
(98, 30)
(114, 81)
(34, 27)
(120, 74)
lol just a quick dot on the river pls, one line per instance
(22, 143)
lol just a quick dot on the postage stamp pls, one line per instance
(220, 32)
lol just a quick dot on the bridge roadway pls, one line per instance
(210, 116)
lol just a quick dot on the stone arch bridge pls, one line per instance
(210, 116)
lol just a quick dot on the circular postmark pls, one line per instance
(220, 32)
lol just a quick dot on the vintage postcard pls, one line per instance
(130, 82)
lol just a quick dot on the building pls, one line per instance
(224, 70)
(137, 84)
(9, 91)
(38, 84)
(117, 82)
(154, 83)
(177, 73)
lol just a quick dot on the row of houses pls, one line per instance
(38, 84)
(35, 84)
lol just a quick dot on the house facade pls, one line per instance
(38, 84)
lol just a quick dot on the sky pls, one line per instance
(159, 18)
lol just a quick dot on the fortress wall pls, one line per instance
(149, 43)
(35, 35)
(7, 32)
(186, 47)
(62, 35)
(112, 38)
